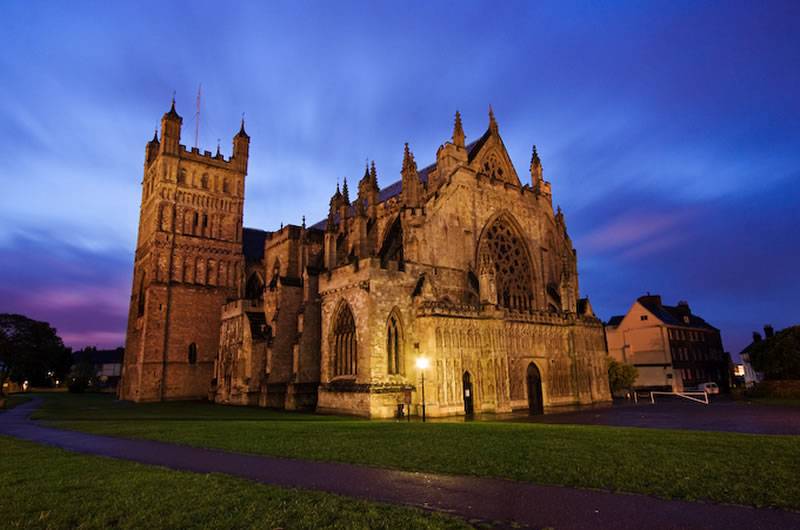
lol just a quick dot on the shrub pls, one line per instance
(778, 357)
(621, 376)
(78, 385)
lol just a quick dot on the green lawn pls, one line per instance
(43, 487)
(724, 467)
(782, 402)
(13, 400)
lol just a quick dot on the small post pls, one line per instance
(652, 399)
(423, 396)
(422, 364)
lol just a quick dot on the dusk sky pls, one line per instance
(670, 132)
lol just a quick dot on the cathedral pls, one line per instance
(458, 263)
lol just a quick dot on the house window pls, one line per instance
(643, 317)
(193, 353)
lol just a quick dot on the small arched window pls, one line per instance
(182, 176)
(344, 343)
(394, 346)
(492, 168)
(141, 300)
(204, 181)
(193, 353)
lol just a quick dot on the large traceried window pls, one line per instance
(394, 346)
(345, 350)
(503, 254)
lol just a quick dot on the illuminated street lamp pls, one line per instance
(422, 364)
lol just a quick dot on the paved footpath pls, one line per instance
(481, 499)
(723, 414)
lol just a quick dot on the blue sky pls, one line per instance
(670, 132)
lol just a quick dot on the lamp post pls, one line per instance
(422, 364)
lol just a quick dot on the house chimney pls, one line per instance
(683, 305)
(650, 299)
(756, 337)
(769, 331)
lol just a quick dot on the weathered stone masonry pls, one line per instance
(458, 262)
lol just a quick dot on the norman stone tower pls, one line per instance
(188, 263)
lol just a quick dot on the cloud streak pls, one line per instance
(670, 132)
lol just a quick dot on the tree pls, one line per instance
(83, 370)
(778, 357)
(621, 376)
(31, 351)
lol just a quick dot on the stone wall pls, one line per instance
(188, 263)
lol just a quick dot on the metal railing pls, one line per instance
(684, 395)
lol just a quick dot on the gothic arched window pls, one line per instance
(394, 346)
(344, 342)
(254, 289)
(503, 256)
(392, 248)
(193, 353)
(492, 168)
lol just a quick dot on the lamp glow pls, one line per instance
(422, 365)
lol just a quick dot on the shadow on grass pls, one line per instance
(105, 407)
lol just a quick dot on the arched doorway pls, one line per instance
(469, 396)
(535, 402)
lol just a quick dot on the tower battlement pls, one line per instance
(206, 157)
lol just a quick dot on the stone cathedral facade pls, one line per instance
(458, 262)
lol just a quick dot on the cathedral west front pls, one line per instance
(459, 262)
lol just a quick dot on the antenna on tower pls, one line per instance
(197, 118)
